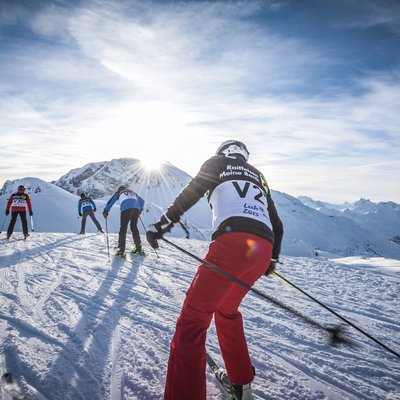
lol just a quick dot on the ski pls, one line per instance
(12, 388)
(222, 378)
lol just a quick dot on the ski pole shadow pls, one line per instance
(78, 372)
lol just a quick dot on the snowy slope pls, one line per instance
(76, 326)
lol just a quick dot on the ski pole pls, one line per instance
(155, 251)
(108, 245)
(335, 332)
(32, 224)
(2, 225)
(337, 315)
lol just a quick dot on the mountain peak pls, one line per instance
(100, 179)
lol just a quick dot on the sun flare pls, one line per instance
(151, 163)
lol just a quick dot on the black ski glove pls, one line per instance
(157, 230)
(7, 212)
(30, 213)
(105, 213)
(80, 214)
(94, 210)
(271, 267)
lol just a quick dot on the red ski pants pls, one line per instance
(246, 257)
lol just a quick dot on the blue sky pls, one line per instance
(312, 88)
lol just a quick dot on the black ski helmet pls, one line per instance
(21, 187)
(83, 195)
(233, 147)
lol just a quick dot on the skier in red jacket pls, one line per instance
(19, 203)
(246, 242)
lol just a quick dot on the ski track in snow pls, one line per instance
(76, 325)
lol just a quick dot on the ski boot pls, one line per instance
(138, 251)
(222, 376)
(243, 392)
(120, 253)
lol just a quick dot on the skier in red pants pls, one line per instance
(246, 242)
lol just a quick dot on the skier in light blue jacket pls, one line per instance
(87, 207)
(131, 205)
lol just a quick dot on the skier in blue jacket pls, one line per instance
(87, 207)
(131, 205)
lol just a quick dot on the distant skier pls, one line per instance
(246, 244)
(131, 205)
(18, 203)
(87, 207)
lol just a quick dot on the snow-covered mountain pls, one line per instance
(381, 218)
(102, 179)
(311, 227)
(322, 206)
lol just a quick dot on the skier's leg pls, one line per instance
(124, 221)
(187, 360)
(24, 222)
(11, 225)
(248, 258)
(95, 221)
(83, 223)
(135, 230)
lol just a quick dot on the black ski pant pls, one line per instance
(90, 213)
(130, 217)
(14, 215)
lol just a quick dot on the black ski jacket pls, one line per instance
(239, 197)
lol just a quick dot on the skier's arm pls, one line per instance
(29, 204)
(93, 204)
(80, 207)
(141, 203)
(190, 195)
(194, 191)
(111, 202)
(277, 227)
(9, 204)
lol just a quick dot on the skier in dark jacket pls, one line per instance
(19, 203)
(87, 207)
(131, 206)
(246, 242)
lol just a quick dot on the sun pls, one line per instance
(151, 163)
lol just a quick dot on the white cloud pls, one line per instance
(176, 80)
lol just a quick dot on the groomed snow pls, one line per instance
(74, 325)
